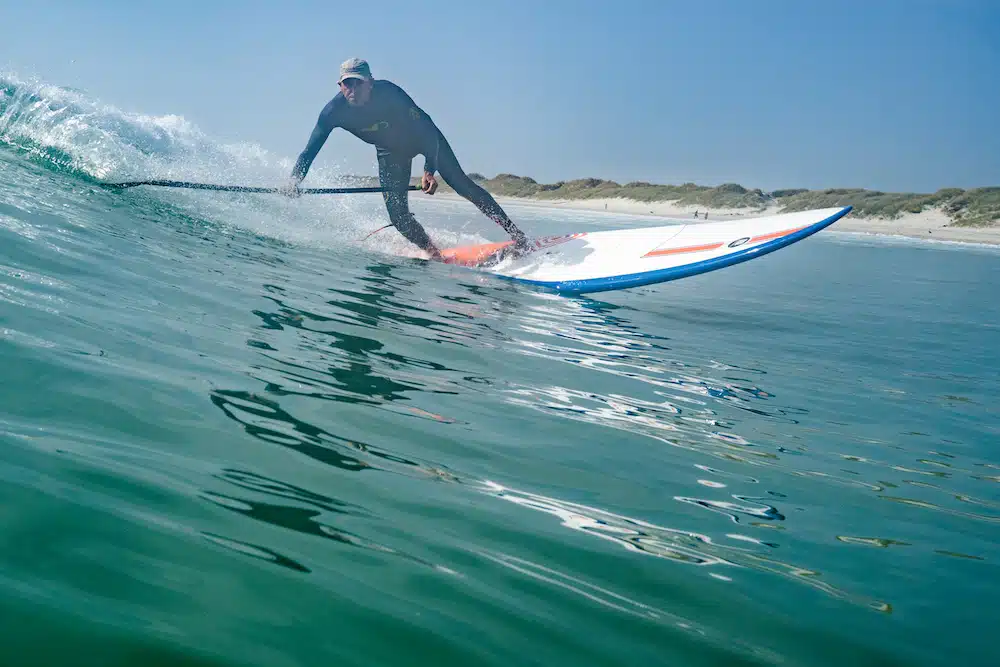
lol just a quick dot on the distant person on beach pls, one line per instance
(380, 113)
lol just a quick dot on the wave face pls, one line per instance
(232, 435)
(71, 131)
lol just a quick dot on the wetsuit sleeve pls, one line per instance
(432, 135)
(324, 126)
(431, 156)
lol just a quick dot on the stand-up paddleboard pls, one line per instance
(619, 259)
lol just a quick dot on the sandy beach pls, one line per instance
(931, 225)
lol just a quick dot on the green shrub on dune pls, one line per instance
(973, 208)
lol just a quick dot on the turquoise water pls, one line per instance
(233, 434)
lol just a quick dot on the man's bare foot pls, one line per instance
(521, 245)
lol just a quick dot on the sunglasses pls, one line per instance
(351, 83)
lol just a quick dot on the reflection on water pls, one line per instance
(733, 510)
(675, 545)
(263, 418)
(256, 551)
(585, 589)
(737, 649)
(633, 534)
(363, 344)
(872, 541)
(315, 520)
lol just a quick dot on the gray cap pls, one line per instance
(355, 68)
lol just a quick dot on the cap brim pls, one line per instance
(352, 76)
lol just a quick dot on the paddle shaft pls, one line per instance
(246, 188)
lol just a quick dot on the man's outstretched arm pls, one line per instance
(324, 126)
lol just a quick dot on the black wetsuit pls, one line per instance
(400, 130)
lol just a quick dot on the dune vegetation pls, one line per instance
(978, 207)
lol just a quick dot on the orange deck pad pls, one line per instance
(471, 255)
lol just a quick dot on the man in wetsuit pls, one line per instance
(380, 113)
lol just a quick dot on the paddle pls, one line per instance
(245, 188)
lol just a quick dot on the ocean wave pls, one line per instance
(70, 131)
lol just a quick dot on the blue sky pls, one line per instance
(892, 95)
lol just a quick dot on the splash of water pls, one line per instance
(72, 133)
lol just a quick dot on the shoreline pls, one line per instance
(930, 225)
